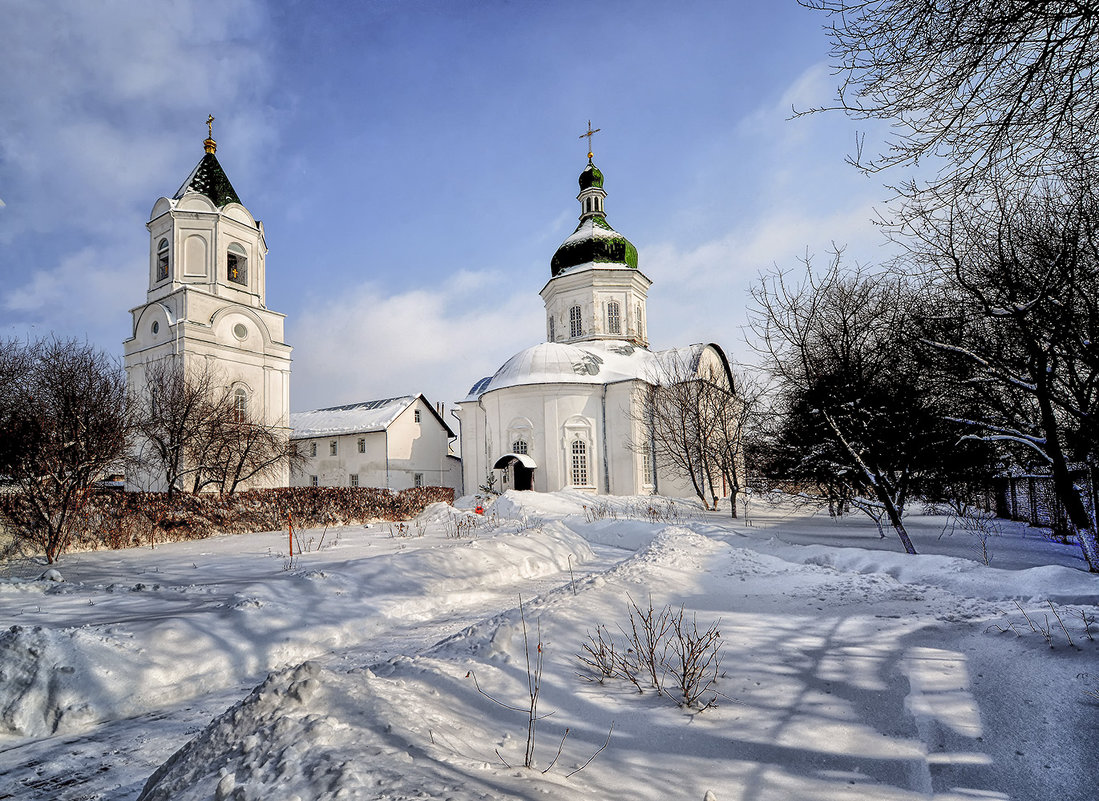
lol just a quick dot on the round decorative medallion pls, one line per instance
(240, 331)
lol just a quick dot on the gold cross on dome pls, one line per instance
(210, 125)
(589, 135)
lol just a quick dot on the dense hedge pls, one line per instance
(116, 519)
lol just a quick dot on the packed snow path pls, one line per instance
(848, 672)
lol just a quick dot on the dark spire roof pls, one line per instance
(210, 179)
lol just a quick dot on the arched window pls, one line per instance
(576, 326)
(579, 463)
(640, 323)
(614, 318)
(162, 260)
(519, 446)
(236, 265)
(240, 405)
(552, 333)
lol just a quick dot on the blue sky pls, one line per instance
(415, 163)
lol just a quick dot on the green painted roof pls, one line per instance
(210, 179)
(591, 176)
(594, 241)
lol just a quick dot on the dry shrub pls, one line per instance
(114, 519)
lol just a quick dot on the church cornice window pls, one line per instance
(614, 318)
(576, 322)
(162, 260)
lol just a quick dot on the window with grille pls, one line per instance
(313, 481)
(240, 405)
(576, 326)
(416, 415)
(519, 446)
(353, 480)
(417, 479)
(552, 333)
(332, 448)
(362, 445)
(614, 318)
(580, 463)
(312, 449)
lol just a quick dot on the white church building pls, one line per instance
(205, 308)
(565, 413)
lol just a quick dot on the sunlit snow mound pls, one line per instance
(44, 682)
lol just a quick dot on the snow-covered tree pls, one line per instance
(856, 420)
(1016, 275)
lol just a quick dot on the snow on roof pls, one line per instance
(354, 418)
(599, 362)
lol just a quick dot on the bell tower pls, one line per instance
(206, 303)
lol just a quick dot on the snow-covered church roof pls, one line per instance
(597, 362)
(355, 418)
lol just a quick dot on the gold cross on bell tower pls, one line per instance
(589, 135)
(210, 145)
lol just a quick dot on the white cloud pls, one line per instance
(438, 340)
(702, 293)
(87, 289)
(97, 101)
(813, 88)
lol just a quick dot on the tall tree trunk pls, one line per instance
(1081, 522)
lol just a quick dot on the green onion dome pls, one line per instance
(593, 241)
(591, 176)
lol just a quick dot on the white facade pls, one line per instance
(205, 307)
(396, 443)
(564, 413)
(558, 416)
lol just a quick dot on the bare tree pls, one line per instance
(857, 420)
(14, 367)
(177, 408)
(734, 411)
(245, 449)
(690, 421)
(1008, 87)
(1018, 282)
(65, 404)
(195, 436)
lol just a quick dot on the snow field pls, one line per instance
(848, 672)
